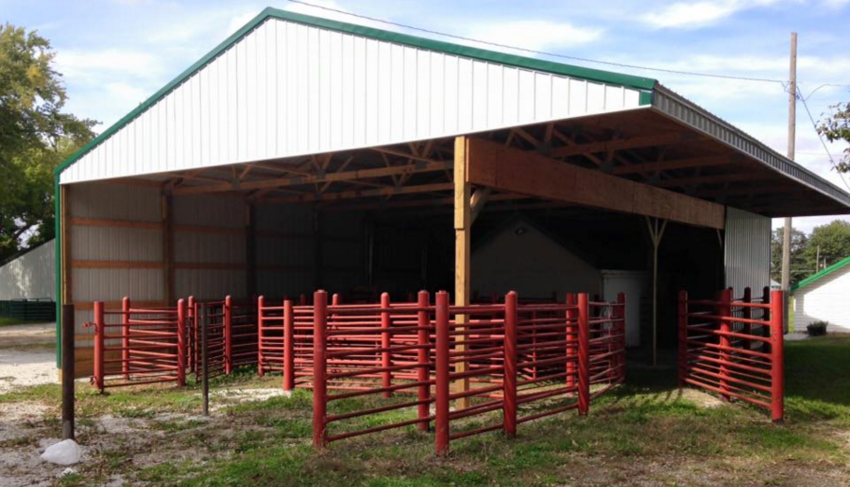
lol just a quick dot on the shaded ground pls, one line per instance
(646, 434)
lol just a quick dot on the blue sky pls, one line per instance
(116, 53)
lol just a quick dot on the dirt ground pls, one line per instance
(27, 356)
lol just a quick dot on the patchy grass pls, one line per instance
(5, 321)
(646, 433)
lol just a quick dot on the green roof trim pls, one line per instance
(635, 82)
(820, 275)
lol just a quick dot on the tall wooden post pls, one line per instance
(67, 294)
(167, 246)
(463, 226)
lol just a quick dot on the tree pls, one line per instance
(36, 135)
(833, 240)
(799, 243)
(836, 127)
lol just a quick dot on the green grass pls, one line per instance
(5, 321)
(648, 422)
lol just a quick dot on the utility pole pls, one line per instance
(817, 261)
(792, 134)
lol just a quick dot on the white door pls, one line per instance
(632, 284)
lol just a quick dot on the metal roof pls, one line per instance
(820, 275)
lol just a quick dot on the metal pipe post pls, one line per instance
(203, 322)
(572, 348)
(725, 313)
(510, 350)
(386, 342)
(261, 303)
(777, 356)
(422, 358)
(228, 334)
(68, 371)
(288, 346)
(442, 374)
(99, 331)
(583, 354)
(320, 366)
(125, 337)
(181, 343)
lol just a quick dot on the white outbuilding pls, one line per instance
(823, 297)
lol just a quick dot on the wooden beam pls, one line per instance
(508, 169)
(362, 193)
(714, 179)
(115, 264)
(104, 222)
(674, 164)
(463, 227)
(434, 166)
(623, 144)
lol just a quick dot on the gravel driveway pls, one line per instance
(27, 356)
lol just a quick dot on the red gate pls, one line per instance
(725, 349)
(137, 346)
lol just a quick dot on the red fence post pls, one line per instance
(320, 369)
(683, 338)
(99, 331)
(193, 352)
(725, 313)
(572, 328)
(288, 346)
(261, 303)
(386, 342)
(423, 355)
(621, 340)
(442, 374)
(181, 342)
(510, 382)
(228, 335)
(766, 313)
(125, 335)
(583, 354)
(777, 357)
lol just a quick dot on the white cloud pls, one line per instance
(533, 34)
(696, 14)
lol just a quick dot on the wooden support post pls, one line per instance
(656, 233)
(67, 294)
(167, 246)
(68, 371)
(463, 226)
(251, 250)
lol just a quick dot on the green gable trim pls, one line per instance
(607, 77)
(820, 275)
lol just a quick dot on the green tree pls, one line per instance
(836, 127)
(36, 134)
(832, 239)
(799, 243)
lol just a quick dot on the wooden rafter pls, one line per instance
(623, 144)
(365, 193)
(674, 164)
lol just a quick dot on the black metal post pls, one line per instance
(68, 371)
(204, 318)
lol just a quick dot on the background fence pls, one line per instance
(38, 310)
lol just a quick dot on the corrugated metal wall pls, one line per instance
(286, 250)
(288, 89)
(92, 243)
(747, 251)
(30, 276)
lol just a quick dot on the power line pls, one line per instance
(551, 54)
(820, 137)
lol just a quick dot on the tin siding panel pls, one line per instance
(288, 89)
(30, 276)
(747, 251)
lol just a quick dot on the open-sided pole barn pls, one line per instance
(304, 153)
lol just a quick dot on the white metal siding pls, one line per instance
(747, 251)
(824, 300)
(30, 276)
(288, 89)
(90, 243)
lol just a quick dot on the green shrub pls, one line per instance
(818, 328)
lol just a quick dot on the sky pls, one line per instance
(114, 54)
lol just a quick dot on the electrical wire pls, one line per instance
(546, 53)
(820, 137)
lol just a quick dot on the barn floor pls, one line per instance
(646, 434)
